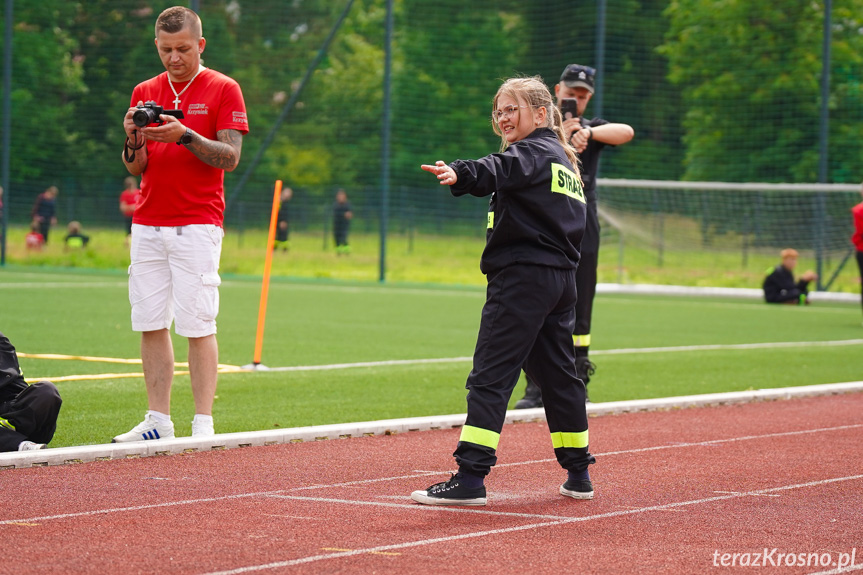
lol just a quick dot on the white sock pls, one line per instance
(159, 416)
(201, 418)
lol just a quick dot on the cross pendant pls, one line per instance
(177, 103)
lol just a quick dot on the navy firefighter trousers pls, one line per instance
(527, 323)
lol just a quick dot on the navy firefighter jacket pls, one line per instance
(536, 214)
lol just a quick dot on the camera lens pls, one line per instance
(143, 117)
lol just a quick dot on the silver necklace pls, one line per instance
(176, 95)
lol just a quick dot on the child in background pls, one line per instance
(34, 240)
(74, 238)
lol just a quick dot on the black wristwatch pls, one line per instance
(185, 138)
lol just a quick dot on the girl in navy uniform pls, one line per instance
(536, 220)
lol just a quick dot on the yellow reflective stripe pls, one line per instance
(565, 181)
(5, 423)
(479, 436)
(581, 340)
(569, 439)
(490, 220)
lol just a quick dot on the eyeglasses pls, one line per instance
(507, 112)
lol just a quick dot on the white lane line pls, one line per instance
(368, 364)
(440, 360)
(621, 351)
(675, 445)
(724, 347)
(531, 526)
(415, 475)
(137, 507)
(413, 506)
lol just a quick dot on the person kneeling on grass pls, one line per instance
(28, 413)
(779, 285)
(536, 220)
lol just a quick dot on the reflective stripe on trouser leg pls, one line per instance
(552, 365)
(581, 340)
(5, 423)
(517, 300)
(569, 439)
(483, 437)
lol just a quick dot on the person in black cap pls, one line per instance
(28, 413)
(589, 138)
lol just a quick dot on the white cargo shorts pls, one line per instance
(174, 277)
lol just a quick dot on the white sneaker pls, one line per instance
(147, 429)
(30, 446)
(202, 429)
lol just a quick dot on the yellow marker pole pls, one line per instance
(265, 288)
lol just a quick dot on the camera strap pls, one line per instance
(129, 148)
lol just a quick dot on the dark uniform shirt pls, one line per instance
(340, 221)
(537, 209)
(44, 207)
(589, 159)
(11, 380)
(779, 286)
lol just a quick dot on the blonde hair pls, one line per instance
(536, 94)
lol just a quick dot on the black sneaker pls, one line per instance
(578, 489)
(450, 492)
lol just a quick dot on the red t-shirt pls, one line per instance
(857, 238)
(178, 189)
(130, 198)
(34, 240)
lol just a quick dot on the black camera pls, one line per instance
(149, 114)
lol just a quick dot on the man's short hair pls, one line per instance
(788, 253)
(176, 18)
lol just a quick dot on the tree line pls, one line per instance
(722, 90)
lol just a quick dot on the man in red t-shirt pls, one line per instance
(177, 225)
(857, 238)
(129, 199)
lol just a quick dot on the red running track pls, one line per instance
(676, 492)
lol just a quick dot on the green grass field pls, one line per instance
(327, 322)
(451, 260)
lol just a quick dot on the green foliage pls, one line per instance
(715, 89)
(749, 73)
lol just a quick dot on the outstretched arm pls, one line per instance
(444, 173)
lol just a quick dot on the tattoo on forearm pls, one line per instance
(223, 153)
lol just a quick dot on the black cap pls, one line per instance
(578, 76)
